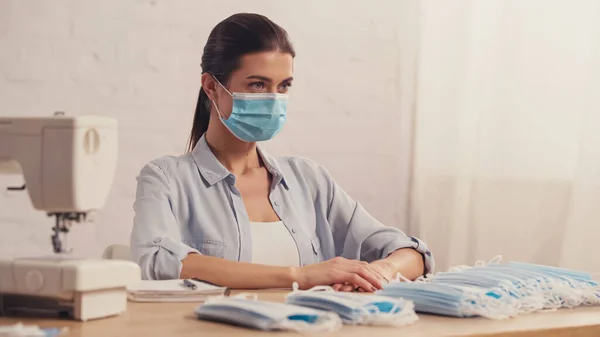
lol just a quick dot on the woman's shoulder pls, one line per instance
(169, 165)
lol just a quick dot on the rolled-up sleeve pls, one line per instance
(358, 235)
(156, 239)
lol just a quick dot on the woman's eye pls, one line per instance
(257, 85)
(284, 87)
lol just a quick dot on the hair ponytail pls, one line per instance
(232, 38)
(201, 119)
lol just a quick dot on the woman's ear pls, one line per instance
(210, 86)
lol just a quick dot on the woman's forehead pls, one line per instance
(272, 64)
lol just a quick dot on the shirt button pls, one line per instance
(293, 230)
(157, 240)
(276, 203)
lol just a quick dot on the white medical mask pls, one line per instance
(250, 312)
(353, 308)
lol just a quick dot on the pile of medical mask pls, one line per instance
(498, 291)
(247, 311)
(451, 300)
(356, 309)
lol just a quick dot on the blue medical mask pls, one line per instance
(565, 287)
(255, 117)
(496, 282)
(252, 313)
(535, 286)
(553, 271)
(453, 300)
(355, 309)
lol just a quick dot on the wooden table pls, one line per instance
(177, 319)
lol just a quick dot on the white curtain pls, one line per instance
(507, 132)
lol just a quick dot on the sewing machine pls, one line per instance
(68, 164)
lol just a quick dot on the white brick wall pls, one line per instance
(139, 61)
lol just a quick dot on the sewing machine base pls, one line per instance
(82, 307)
(80, 289)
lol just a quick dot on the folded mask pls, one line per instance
(534, 286)
(569, 288)
(252, 313)
(528, 299)
(355, 308)
(453, 300)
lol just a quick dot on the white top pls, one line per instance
(272, 244)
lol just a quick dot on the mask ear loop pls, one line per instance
(243, 296)
(222, 86)
(485, 306)
(246, 296)
(495, 260)
(405, 316)
(296, 288)
(399, 277)
(460, 268)
(217, 108)
(213, 102)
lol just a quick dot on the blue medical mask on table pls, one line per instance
(553, 271)
(550, 287)
(453, 300)
(255, 117)
(536, 287)
(527, 298)
(252, 313)
(497, 290)
(354, 308)
(571, 287)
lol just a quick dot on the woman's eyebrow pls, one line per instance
(266, 79)
(258, 77)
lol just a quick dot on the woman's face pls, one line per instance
(264, 72)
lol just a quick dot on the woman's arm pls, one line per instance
(407, 261)
(156, 243)
(238, 275)
(157, 247)
(242, 275)
(358, 235)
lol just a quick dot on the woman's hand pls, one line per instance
(407, 261)
(357, 274)
(384, 270)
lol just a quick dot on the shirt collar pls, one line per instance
(213, 171)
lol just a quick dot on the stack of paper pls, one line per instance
(172, 291)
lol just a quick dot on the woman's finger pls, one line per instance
(373, 270)
(378, 273)
(350, 279)
(355, 280)
(347, 288)
(365, 273)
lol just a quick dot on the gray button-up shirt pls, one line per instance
(190, 204)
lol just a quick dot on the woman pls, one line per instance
(228, 213)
